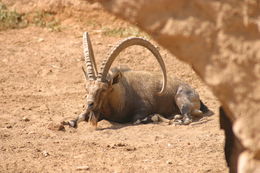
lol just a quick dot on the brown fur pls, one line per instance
(128, 96)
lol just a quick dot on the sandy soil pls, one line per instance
(41, 84)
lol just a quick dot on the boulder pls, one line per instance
(221, 41)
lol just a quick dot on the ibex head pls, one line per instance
(99, 90)
(100, 85)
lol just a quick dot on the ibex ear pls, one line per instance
(115, 78)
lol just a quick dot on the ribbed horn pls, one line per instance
(107, 62)
(89, 57)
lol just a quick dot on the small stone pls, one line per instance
(169, 162)
(45, 153)
(156, 138)
(9, 126)
(120, 145)
(25, 119)
(81, 156)
(155, 118)
(38, 150)
(31, 132)
(79, 168)
(56, 127)
(40, 40)
(130, 149)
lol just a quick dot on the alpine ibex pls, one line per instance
(124, 95)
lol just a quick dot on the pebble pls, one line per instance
(40, 40)
(45, 153)
(56, 127)
(120, 145)
(9, 126)
(130, 149)
(25, 119)
(81, 156)
(169, 162)
(79, 168)
(31, 132)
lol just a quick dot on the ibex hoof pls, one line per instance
(71, 123)
(178, 121)
(177, 117)
(137, 122)
(187, 121)
(155, 118)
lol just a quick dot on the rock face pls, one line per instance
(221, 41)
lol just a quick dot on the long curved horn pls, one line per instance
(106, 64)
(89, 57)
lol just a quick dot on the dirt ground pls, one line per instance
(42, 84)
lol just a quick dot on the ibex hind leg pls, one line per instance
(74, 123)
(186, 112)
(152, 118)
(139, 118)
(185, 109)
(155, 118)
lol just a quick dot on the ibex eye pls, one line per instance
(90, 105)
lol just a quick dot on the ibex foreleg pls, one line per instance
(82, 117)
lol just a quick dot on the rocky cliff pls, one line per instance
(221, 41)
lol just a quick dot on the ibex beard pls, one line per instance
(93, 118)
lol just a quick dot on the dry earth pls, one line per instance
(41, 84)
